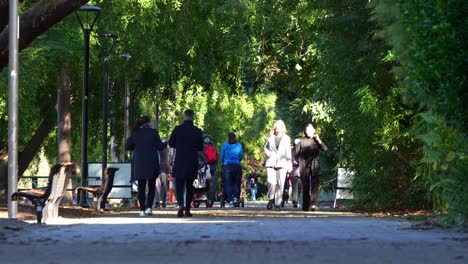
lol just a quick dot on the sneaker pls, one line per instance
(313, 208)
(231, 204)
(149, 211)
(142, 213)
(163, 205)
(295, 205)
(156, 205)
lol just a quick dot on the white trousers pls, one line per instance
(276, 179)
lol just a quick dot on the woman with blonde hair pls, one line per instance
(278, 162)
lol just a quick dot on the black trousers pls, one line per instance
(310, 186)
(181, 186)
(146, 203)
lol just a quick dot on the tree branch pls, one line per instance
(40, 17)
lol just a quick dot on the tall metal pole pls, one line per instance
(84, 119)
(105, 112)
(13, 36)
(126, 115)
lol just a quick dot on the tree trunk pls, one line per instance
(37, 20)
(34, 144)
(64, 125)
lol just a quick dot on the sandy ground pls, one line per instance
(245, 235)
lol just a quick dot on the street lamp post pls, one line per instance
(127, 57)
(87, 26)
(105, 98)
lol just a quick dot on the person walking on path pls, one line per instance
(211, 158)
(296, 183)
(187, 140)
(278, 163)
(252, 184)
(308, 153)
(145, 143)
(161, 181)
(231, 157)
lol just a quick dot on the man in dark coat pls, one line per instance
(307, 152)
(187, 140)
(145, 143)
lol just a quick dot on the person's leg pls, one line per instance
(305, 179)
(314, 189)
(142, 194)
(271, 179)
(189, 196)
(236, 181)
(254, 193)
(295, 189)
(227, 171)
(151, 192)
(180, 189)
(213, 182)
(279, 188)
(157, 194)
(163, 187)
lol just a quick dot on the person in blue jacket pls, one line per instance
(231, 157)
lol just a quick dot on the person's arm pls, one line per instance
(129, 144)
(199, 141)
(288, 154)
(241, 153)
(266, 148)
(223, 150)
(322, 145)
(157, 139)
(172, 138)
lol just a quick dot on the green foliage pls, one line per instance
(384, 81)
(428, 39)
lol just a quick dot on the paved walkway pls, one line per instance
(235, 236)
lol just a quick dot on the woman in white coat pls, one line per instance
(278, 162)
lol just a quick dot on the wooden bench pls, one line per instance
(103, 191)
(47, 200)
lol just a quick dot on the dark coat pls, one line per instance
(187, 140)
(307, 153)
(145, 143)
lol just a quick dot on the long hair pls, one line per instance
(280, 125)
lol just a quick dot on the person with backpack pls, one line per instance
(211, 159)
(231, 157)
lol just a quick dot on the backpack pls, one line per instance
(211, 156)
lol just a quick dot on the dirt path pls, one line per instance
(248, 235)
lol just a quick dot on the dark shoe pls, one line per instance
(180, 213)
(187, 213)
(277, 208)
(270, 204)
(156, 205)
(163, 205)
(294, 205)
(313, 208)
(282, 204)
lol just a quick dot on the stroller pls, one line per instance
(202, 187)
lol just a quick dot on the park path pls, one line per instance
(236, 236)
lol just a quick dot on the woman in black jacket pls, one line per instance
(307, 152)
(145, 143)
